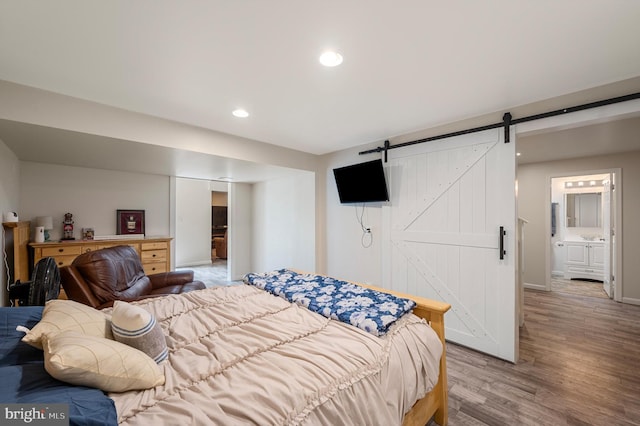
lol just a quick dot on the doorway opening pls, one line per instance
(583, 248)
(219, 232)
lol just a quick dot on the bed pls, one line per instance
(239, 355)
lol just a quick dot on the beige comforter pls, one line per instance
(240, 356)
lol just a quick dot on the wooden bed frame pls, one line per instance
(435, 403)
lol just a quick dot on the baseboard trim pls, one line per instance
(631, 300)
(534, 287)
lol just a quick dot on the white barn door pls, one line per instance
(449, 199)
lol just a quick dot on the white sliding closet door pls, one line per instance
(449, 199)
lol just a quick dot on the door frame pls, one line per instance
(616, 249)
(579, 119)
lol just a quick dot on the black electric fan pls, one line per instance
(44, 285)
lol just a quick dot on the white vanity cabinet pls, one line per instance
(585, 259)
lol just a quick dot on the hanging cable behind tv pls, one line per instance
(367, 235)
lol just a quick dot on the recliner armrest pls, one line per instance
(76, 287)
(165, 279)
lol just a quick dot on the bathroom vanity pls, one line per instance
(584, 259)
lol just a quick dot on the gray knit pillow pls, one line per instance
(137, 327)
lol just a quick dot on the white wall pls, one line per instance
(64, 112)
(284, 223)
(92, 196)
(346, 257)
(193, 222)
(304, 221)
(271, 224)
(9, 201)
(284, 208)
(240, 234)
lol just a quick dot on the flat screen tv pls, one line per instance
(361, 183)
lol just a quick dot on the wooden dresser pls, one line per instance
(155, 252)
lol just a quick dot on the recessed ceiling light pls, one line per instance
(518, 154)
(330, 59)
(241, 113)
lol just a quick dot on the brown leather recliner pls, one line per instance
(100, 277)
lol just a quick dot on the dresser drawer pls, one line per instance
(94, 247)
(153, 255)
(64, 260)
(154, 267)
(61, 251)
(154, 246)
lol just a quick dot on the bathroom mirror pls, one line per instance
(584, 210)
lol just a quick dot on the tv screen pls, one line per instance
(361, 183)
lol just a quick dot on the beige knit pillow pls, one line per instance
(137, 327)
(97, 362)
(67, 315)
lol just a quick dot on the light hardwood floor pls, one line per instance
(579, 365)
(211, 275)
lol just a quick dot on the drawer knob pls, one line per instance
(60, 263)
(153, 255)
(60, 250)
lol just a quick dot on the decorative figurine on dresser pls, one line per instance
(67, 227)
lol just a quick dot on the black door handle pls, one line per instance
(501, 245)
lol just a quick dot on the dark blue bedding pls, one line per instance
(24, 379)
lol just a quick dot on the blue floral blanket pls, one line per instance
(369, 310)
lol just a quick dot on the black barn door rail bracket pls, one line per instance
(507, 122)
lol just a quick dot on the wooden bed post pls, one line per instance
(436, 403)
(441, 415)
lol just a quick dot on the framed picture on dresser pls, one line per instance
(130, 222)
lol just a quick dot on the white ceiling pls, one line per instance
(408, 65)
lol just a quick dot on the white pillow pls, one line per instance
(65, 315)
(137, 327)
(97, 362)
